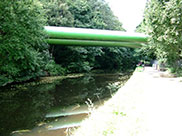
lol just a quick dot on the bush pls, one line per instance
(163, 22)
(21, 40)
(54, 69)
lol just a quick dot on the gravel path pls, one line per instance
(152, 104)
(158, 102)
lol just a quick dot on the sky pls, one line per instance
(129, 12)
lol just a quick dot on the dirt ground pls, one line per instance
(156, 99)
(151, 103)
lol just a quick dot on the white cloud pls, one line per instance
(129, 12)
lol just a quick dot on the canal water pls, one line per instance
(53, 108)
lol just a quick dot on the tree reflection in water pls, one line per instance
(23, 109)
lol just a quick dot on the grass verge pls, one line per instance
(119, 116)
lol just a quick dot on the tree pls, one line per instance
(116, 58)
(93, 14)
(22, 45)
(57, 13)
(103, 17)
(163, 22)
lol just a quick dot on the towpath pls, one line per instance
(157, 103)
(150, 102)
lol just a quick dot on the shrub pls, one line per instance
(163, 22)
(21, 40)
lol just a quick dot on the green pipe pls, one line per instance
(72, 42)
(92, 34)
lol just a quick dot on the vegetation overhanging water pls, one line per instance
(26, 107)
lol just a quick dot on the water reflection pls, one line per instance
(25, 108)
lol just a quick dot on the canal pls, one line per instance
(53, 108)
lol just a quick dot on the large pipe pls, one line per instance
(92, 34)
(72, 42)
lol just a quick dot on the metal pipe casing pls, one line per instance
(71, 42)
(93, 34)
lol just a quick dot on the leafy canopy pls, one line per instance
(22, 42)
(93, 14)
(163, 22)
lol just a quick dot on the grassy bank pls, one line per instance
(54, 79)
(118, 116)
(143, 106)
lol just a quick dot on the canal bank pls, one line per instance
(147, 105)
(31, 109)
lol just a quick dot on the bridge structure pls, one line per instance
(66, 36)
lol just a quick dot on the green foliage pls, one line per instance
(76, 59)
(22, 40)
(58, 13)
(82, 13)
(24, 52)
(103, 17)
(29, 104)
(54, 69)
(116, 58)
(93, 14)
(163, 22)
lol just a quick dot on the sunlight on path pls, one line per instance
(149, 103)
(161, 102)
(164, 99)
